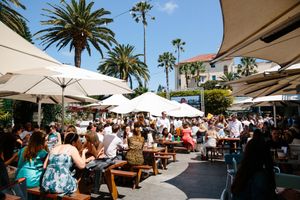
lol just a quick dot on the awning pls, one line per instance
(267, 29)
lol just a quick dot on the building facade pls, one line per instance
(212, 72)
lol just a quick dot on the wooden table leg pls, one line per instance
(154, 166)
(110, 181)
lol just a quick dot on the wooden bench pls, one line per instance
(163, 158)
(127, 174)
(175, 149)
(168, 154)
(75, 196)
(139, 169)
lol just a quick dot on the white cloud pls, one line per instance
(169, 7)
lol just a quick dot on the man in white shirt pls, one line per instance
(163, 122)
(235, 127)
(112, 142)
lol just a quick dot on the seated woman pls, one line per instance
(187, 137)
(31, 160)
(134, 154)
(58, 177)
(211, 141)
(166, 135)
(94, 146)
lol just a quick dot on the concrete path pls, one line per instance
(188, 178)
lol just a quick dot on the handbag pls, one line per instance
(17, 188)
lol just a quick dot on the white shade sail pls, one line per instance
(114, 100)
(147, 102)
(16, 53)
(185, 111)
(267, 29)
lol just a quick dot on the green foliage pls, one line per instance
(210, 85)
(79, 25)
(247, 67)
(138, 91)
(124, 64)
(10, 17)
(50, 113)
(217, 101)
(23, 111)
(140, 12)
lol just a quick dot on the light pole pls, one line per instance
(202, 99)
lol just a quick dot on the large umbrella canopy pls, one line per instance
(64, 80)
(267, 29)
(114, 100)
(270, 82)
(51, 80)
(18, 54)
(147, 102)
(185, 111)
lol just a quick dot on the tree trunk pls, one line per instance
(144, 28)
(186, 80)
(167, 80)
(178, 55)
(77, 59)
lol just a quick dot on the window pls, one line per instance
(179, 82)
(225, 69)
(213, 77)
(202, 79)
(212, 65)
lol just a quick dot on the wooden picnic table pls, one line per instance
(110, 180)
(11, 197)
(152, 151)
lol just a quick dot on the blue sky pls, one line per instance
(197, 22)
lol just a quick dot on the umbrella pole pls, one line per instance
(39, 111)
(274, 113)
(63, 108)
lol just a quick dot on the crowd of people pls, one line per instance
(47, 157)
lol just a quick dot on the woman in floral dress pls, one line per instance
(58, 176)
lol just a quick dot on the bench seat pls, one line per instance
(75, 196)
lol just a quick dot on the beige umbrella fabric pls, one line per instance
(268, 83)
(16, 53)
(267, 29)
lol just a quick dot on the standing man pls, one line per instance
(163, 122)
(235, 127)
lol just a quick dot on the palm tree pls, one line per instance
(228, 77)
(12, 18)
(197, 68)
(139, 91)
(139, 13)
(247, 67)
(178, 44)
(185, 69)
(167, 60)
(76, 24)
(124, 64)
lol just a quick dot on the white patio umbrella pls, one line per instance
(114, 100)
(64, 80)
(18, 54)
(147, 102)
(185, 111)
(267, 29)
(45, 99)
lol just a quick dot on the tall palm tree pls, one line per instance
(196, 69)
(124, 64)
(12, 18)
(178, 44)
(185, 69)
(79, 25)
(139, 13)
(167, 60)
(247, 67)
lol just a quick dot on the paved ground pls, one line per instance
(188, 178)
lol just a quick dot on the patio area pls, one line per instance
(188, 178)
